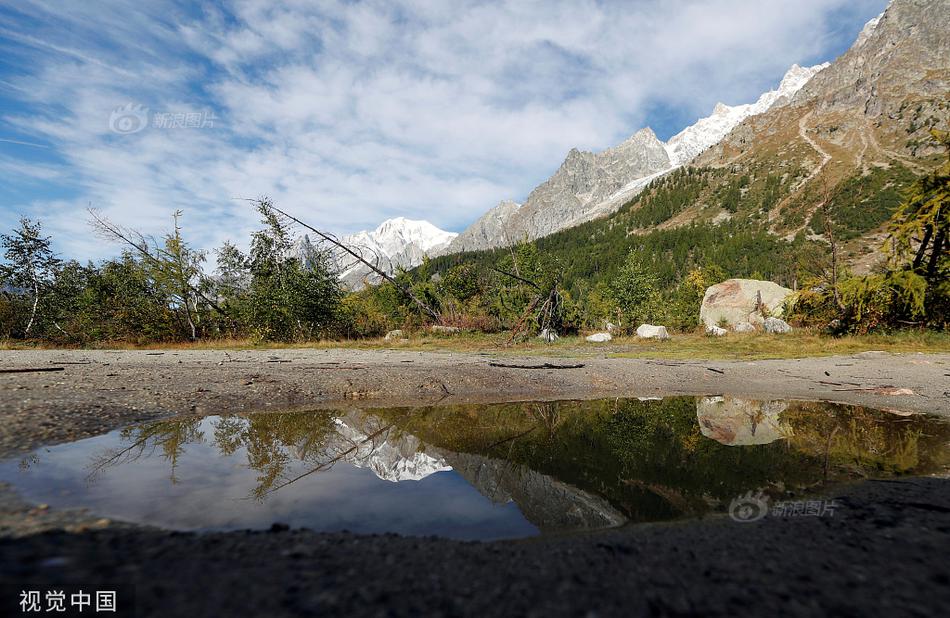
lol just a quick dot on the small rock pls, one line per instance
(744, 327)
(548, 335)
(649, 331)
(394, 334)
(445, 330)
(715, 331)
(776, 326)
(599, 337)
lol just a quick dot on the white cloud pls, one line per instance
(349, 113)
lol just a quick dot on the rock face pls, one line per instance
(584, 181)
(741, 422)
(489, 231)
(649, 331)
(736, 300)
(894, 54)
(776, 326)
(591, 185)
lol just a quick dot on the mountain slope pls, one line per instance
(761, 203)
(591, 185)
(853, 135)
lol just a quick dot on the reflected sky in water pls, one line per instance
(475, 472)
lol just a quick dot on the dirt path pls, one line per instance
(825, 157)
(99, 390)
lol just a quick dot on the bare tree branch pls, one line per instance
(128, 236)
(330, 238)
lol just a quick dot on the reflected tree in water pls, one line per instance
(168, 438)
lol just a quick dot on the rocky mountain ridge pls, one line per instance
(590, 185)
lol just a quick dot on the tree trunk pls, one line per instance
(935, 254)
(36, 302)
(922, 250)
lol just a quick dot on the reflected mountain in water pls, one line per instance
(392, 455)
(482, 471)
(546, 502)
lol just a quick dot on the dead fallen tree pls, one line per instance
(541, 366)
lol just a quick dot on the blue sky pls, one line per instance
(348, 113)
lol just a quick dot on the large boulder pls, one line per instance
(736, 300)
(599, 337)
(393, 335)
(649, 331)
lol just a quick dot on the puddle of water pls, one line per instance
(476, 472)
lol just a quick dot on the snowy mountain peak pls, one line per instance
(396, 243)
(708, 131)
(868, 30)
(394, 234)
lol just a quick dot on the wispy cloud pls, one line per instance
(352, 112)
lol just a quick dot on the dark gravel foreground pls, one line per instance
(884, 552)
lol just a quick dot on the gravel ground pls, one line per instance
(883, 552)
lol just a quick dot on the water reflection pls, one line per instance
(477, 471)
(741, 422)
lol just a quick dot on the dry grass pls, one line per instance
(683, 346)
